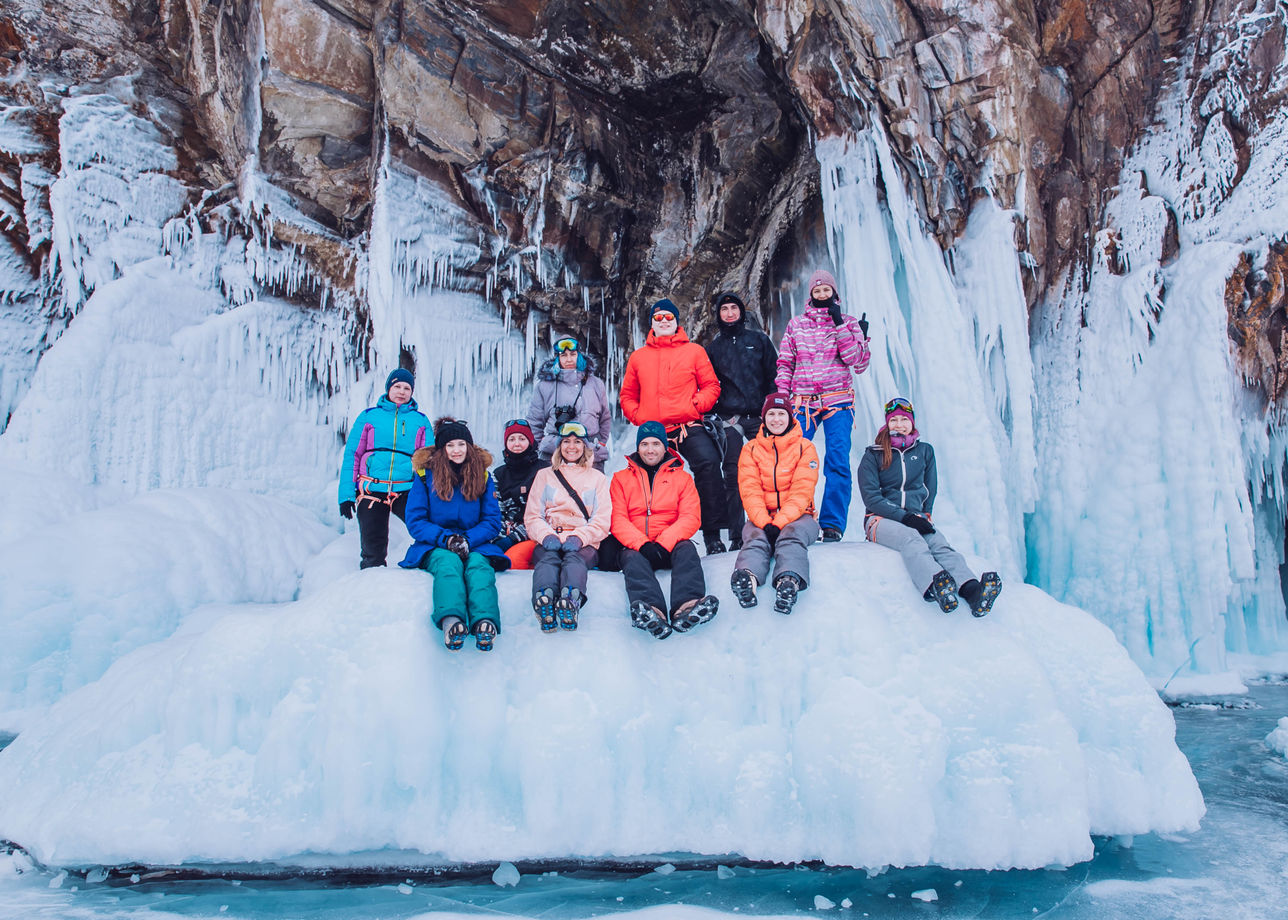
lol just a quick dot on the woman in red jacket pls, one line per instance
(654, 515)
(671, 380)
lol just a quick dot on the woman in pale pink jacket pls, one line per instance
(568, 514)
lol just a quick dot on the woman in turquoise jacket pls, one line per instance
(453, 515)
(376, 475)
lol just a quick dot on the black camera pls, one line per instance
(564, 415)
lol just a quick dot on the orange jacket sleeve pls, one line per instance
(801, 494)
(750, 489)
(690, 519)
(623, 528)
(629, 394)
(708, 382)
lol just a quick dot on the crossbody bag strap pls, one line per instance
(573, 492)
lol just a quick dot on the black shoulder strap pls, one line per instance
(573, 492)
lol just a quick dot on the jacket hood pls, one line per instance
(680, 337)
(671, 459)
(420, 459)
(586, 364)
(729, 297)
(384, 402)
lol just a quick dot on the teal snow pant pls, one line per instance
(463, 589)
(789, 552)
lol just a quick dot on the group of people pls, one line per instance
(738, 413)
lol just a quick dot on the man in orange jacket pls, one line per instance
(654, 515)
(671, 380)
(777, 474)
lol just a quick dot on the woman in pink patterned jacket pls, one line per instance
(821, 350)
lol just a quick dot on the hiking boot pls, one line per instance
(786, 587)
(735, 543)
(649, 619)
(831, 535)
(695, 614)
(454, 633)
(484, 633)
(544, 607)
(943, 591)
(743, 585)
(567, 607)
(715, 546)
(981, 594)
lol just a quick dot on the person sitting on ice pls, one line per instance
(820, 351)
(453, 516)
(567, 390)
(898, 481)
(375, 474)
(777, 473)
(568, 515)
(513, 477)
(655, 512)
(671, 380)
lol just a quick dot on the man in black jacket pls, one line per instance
(746, 362)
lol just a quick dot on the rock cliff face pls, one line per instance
(645, 148)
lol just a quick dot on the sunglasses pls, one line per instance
(572, 428)
(898, 403)
(663, 316)
(566, 344)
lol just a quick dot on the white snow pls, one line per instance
(823, 903)
(1277, 740)
(1198, 686)
(868, 729)
(925, 894)
(506, 875)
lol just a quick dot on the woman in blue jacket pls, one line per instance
(898, 481)
(375, 475)
(453, 516)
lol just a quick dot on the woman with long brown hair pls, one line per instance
(899, 497)
(453, 515)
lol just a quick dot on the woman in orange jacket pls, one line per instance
(671, 380)
(777, 473)
(654, 515)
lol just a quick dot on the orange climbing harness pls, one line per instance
(814, 410)
(387, 497)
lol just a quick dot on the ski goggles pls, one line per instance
(570, 429)
(567, 343)
(518, 421)
(664, 316)
(898, 403)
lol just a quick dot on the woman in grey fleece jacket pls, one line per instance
(567, 390)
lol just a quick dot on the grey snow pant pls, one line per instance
(790, 554)
(922, 556)
(688, 583)
(559, 568)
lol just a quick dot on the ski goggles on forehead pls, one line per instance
(572, 428)
(568, 343)
(518, 421)
(898, 403)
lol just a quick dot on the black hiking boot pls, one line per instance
(567, 607)
(735, 542)
(743, 585)
(786, 587)
(831, 535)
(649, 619)
(981, 594)
(943, 591)
(544, 606)
(699, 613)
(715, 546)
(454, 633)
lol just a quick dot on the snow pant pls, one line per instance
(561, 568)
(789, 552)
(924, 556)
(838, 430)
(687, 580)
(736, 437)
(463, 589)
(373, 527)
(703, 456)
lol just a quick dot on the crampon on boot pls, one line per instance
(786, 588)
(943, 591)
(544, 606)
(484, 633)
(650, 620)
(699, 613)
(981, 599)
(567, 607)
(454, 633)
(715, 546)
(743, 585)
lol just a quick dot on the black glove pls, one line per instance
(551, 543)
(863, 324)
(772, 533)
(834, 311)
(346, 510)
(654, 553)
(572, 544)
(918, 523)
(457, 544)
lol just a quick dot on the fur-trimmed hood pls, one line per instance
(420, 459)
(586, 364)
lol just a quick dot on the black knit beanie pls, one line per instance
(449, 429)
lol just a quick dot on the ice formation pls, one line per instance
(1277, 740)
(867, 729)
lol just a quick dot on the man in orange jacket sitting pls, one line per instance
(777, 473)
(654, 515)
(671, 380)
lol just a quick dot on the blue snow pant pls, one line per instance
(463, 589)
(838, 430)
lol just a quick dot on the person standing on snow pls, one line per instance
(568, 391)
(513, 477)
(453, 516)
(898, 480)
(777, 474)
(671, 380)
(568, 515)
(745, 363)
(820, 350)
(376, 472)
(654, 515)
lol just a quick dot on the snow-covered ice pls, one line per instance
(1277, 740)
(867, 729)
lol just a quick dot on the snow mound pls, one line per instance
(1277, 740)
(866, 729)
(83, 591)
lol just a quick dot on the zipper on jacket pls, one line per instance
(648, 498)
(393, 447)
(778, 496)
(903, 480)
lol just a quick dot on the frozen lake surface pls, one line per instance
(1236, 866)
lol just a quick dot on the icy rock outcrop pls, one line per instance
(867, 729)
